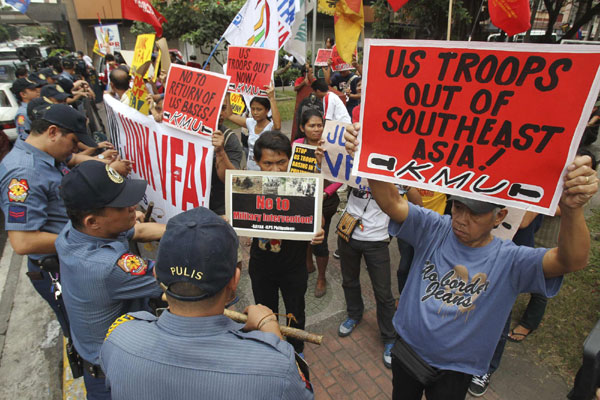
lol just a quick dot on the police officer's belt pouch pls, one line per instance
(346, 226)
(413, 364)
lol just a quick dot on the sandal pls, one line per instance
(517, 334)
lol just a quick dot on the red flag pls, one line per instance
(142, 10)
(512, 16)
(397, 4)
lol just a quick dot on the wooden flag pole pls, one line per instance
(449, 20)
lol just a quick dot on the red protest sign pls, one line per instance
(193, 99)
(250, 69)
(492, 122)
(338, 64)
(323, 55)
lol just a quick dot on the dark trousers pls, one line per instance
(44, 288)
(293, 284)
(451, 385)
(95, 387)
(377, 258)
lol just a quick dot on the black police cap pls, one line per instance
(70, 119)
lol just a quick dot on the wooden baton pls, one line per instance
(287, 331)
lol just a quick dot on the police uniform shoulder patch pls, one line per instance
(132, 264)
(123, 318)
(17, 214)
(20, 120)
(18, 190)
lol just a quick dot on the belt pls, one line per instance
(47, 263)
(93, 369)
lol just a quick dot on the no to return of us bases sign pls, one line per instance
(493, 122)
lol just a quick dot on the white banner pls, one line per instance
(255, 25)
(296, 45)
(108, 38)
(176, 165)
(336, 165)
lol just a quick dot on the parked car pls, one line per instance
(8, 110)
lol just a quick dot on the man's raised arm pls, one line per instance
(385, 194)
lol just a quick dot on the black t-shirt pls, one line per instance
(233, 149)
(278, 256)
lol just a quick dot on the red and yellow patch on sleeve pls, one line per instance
(132, 264)
(18, 190)
(21, 120)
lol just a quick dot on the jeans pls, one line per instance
(377, 258)
(95, 387)
(451, 385)
(44, 288)
(293, 285)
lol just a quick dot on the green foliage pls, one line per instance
(289, 76)
(427, 19)
(199, 22)
(32, 30)
(53, 38)
(13, 32)
(59, 52)
(4, 36)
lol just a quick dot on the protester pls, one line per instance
(156, 108)
(333, 107)
(346, 82)
(260, 121)
(193, 62)
(101, 279)
(201, 352)
(119, 85)
(311, 125)
(25, 90)
(303, 90)
(279, 264)
(446, 347)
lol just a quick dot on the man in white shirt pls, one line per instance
(333, 107)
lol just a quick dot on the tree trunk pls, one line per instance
(587, 16)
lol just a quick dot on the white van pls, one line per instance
(536, 36)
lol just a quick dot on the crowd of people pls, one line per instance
(140, 328)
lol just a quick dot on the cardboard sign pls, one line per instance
(274, 205)
(250, 69)
(237, 103)
(338, 64)
(303, 158)
(489, 121)
(177, 166)
(193, 99)
(165, 57)
(323, 55)
(137, 95)
(337, 163)
(108, 38)
(142, 54)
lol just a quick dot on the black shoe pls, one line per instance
(479, 385)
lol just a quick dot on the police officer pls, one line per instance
(54, 93)
(25, 90)
(101, 279)
(192, 350)
(29, 180)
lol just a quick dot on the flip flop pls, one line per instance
(512, 332)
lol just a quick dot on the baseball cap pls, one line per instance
(48, 73)
(200, 248)
(94, 185)
(37, 107)
(476, 206)
(68, 63)
(54, 91)
(21, 84)
(70, 119)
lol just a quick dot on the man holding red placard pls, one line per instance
(463, 281)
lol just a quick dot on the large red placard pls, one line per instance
(492, 122)
(250, 69)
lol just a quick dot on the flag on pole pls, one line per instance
(326, 7)
(255, 25)
(512, 16)
(397, 4)
(142, 10)
(349, 21)
(20, 5)
(296, 45)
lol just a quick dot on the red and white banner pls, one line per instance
(142, 10)
(176, 165)
(489, 121)
(323, 55)
(250, 69)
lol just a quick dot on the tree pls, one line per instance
(427, 18)
(199, 22)
(4, 36)
(52, 38)
(13, 32)
(585, 12)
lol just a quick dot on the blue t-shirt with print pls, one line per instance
(457, 298)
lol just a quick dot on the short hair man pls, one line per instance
(25, 90)
(279, 264)
(333, 108)
(30, 177)
(119, 84)
(101, 278)
(192, 349)
(463, 282)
